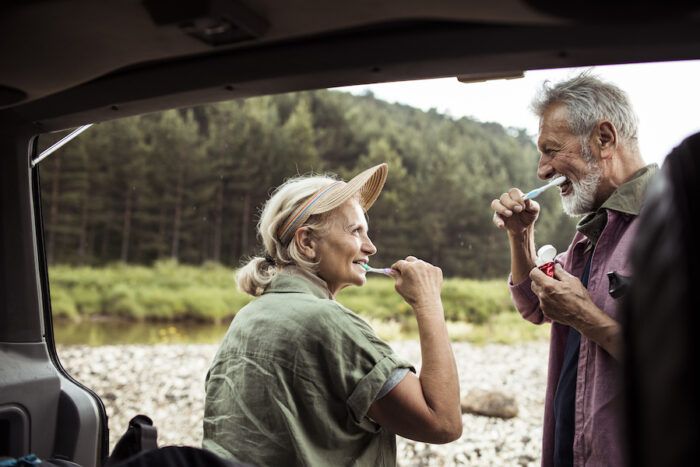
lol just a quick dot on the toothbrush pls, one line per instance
(538, 191)
(377, 270)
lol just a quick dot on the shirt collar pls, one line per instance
(629, 196)
(627, 199)
(293, 279)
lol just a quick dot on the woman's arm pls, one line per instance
(425, 407)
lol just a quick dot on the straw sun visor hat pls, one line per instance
(368, 184)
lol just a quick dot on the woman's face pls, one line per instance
(343, 247)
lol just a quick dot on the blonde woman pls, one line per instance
(301, 380)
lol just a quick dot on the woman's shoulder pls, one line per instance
(312, 314)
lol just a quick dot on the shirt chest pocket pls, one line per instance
(615, 280)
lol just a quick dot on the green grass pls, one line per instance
(165, 292)
(503, 328)
(478, 311)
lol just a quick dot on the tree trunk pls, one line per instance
(82, 242)
(436, 243)
(105, 241)
(53, 213)
(126, 230)
(177, 221)
(218, 221)
(489, 252)
(235, 255)
(91, 246)
(162, 220)
(245, 222)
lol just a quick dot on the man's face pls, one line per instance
(562, 153)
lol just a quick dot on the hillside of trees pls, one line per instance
(188, 184)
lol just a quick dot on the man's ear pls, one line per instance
(606, 138)
(306, 242)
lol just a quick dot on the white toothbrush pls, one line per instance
(538, 191)
(377, 270)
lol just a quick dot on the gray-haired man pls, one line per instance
(588, 133)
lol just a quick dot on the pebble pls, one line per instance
(166, 382)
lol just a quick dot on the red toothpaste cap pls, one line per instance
(547, 268)
(545, 259)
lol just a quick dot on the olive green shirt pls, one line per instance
(293, 380)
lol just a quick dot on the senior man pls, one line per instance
(588, 133)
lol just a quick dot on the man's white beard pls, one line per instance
(582, 199)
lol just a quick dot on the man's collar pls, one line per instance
(627, 198)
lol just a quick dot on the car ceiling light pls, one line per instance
(47, 152)
(215, 22)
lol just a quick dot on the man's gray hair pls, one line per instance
(589, 100)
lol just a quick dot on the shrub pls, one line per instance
(62, 305)
(206, 304)
(121, 301)
(171, 291)
(160, 303)
(88, 298)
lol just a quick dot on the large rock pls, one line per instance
(489, 403)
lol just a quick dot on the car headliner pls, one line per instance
(70, 62)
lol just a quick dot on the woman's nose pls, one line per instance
(368, 247)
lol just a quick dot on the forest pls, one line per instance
(188, 184)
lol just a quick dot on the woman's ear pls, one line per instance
(306, 242)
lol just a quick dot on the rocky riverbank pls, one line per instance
(166, 382)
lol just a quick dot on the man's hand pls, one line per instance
(517, 217)
(513, 213)
(565, 300)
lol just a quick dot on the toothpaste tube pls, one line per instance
(545, 259)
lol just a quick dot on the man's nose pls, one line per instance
(544, 168)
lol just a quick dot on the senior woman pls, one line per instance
(301, 380)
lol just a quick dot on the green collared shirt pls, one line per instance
(293, 380)
(627, 198)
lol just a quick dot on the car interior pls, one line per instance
(69, 63)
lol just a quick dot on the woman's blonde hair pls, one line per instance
(257, 273)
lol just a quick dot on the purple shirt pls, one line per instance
(598, 437)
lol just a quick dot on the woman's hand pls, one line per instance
(418, 282)
(426, 407)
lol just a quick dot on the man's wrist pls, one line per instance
(523, 241)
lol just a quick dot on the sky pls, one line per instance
(666, 97)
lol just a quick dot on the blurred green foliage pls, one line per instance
(169, 291)
(188, 184)
(176, 303)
